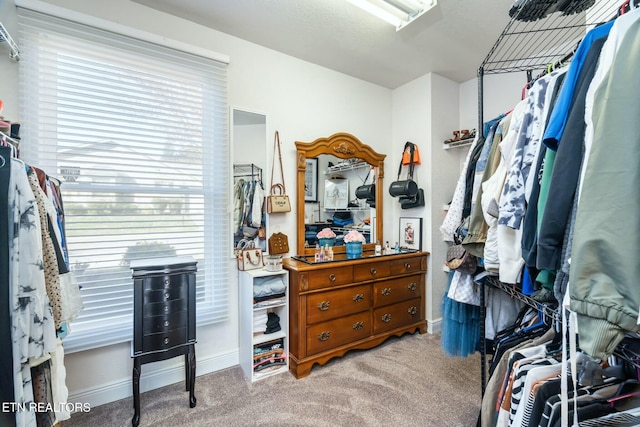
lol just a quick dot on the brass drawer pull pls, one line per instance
(386, 291)
(412, 286)
(407, 266)
(358, 297)
(386, 318)
(374, 271)
(324, 336)
(412, 310)
(332, 277)
(358, 325)
(323, 306)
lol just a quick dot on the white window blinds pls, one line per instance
(137, 133)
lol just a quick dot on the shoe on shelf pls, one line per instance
(532, 10)
(543, 295)
(571, 7)
(456, 137)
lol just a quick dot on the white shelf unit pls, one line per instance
(248, 311)
(346, 166)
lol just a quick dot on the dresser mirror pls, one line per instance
(330, 170)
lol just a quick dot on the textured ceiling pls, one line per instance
(451, 40)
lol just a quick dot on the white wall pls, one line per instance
(501, 93)
(303, 101)
(424, 111)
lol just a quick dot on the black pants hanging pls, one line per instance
(6, 344)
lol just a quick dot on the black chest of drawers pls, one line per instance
(164, 318)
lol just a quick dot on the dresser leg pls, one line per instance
(187, 372)
(137, 366)
(192, 376)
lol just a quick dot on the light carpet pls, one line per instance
(406, 381)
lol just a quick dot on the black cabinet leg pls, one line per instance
(192, 375)
(137, 366)
(187, 372)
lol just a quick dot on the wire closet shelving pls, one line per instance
(536, 46)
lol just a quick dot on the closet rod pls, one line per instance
(5, 36)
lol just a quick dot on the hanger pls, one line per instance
(10, 142)
(624, 7)
(4, 136)
(625, 390)
(555, 345)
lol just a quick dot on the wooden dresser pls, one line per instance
(338, 306)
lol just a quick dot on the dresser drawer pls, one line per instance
(165, 307)
(167, 322)
(166, 294)
(328, 335)
(403, 266)
(164, 340)
(332, 304)
(371, 271)
(397, 315)
(330, 277)
(395, 290)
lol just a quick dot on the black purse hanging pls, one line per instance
(367, 191)
(410, 195)
(405, 187)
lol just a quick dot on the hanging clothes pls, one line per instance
(32, 324)
(460, 325)
(604, 288)
(6, 340)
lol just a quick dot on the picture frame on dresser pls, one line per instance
(410, 233)
(311, 181)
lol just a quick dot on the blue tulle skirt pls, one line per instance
(460, 326)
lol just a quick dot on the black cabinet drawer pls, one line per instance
(167, 294)
(164, 323)
(164, 340)
(165, 307)
(164, 281)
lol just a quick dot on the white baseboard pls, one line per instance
(152, 379)
(434, 326)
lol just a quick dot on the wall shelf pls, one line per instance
(457, 144)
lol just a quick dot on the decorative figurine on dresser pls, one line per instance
(354, 299)
(164, 318)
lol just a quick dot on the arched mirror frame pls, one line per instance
(345, 146)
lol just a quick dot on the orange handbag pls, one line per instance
(406, 156)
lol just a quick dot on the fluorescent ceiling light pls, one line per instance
(398, 13)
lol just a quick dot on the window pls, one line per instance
(137, 133)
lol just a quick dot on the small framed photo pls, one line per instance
(336, 193)
(311, 181)
(411, 233)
